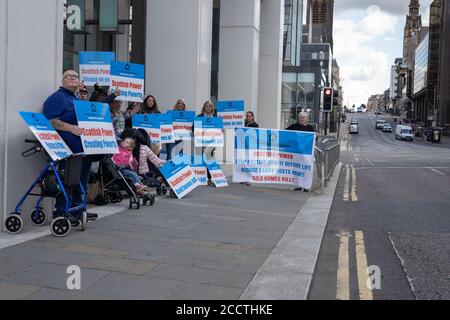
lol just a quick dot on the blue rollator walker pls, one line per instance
(52, 182)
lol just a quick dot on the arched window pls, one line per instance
(315, 10)
(323, 12)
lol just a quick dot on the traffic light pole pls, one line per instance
(325, 128)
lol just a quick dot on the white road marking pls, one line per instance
(346, 184)
(437, 171)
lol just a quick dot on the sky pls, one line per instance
(368, 36)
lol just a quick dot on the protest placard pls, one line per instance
(98, 136)
(48, 137)
(129, 78)
(232, 113)
(167, 135)
(95, 67)
(274, 157)
(200, 169)
(183, 122)
(208, 132)
(150, 123)
(217, 175)
(180, 177)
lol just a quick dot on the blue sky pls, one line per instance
(368, 36)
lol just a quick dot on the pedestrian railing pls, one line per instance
(327, 155)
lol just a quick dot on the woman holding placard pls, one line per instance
(150, 106)
(208, 111)
(179, 106)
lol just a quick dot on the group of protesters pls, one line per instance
(60, 111)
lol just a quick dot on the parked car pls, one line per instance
(404, 133)
(353, 128)
(379, 124)
(359, 110)
(387, 127)
(354, 121)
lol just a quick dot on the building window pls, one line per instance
(323, 12)
(316, 12)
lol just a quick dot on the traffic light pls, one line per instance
(336, 98)
(327, 99)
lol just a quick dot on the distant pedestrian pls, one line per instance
(250, 120)
(302, 125)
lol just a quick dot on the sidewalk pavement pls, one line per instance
(209, 245)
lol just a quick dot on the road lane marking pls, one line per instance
(402, 262)
(437, 171)
(346, 184)
(354, 186)
(365, 293)
(343, 279)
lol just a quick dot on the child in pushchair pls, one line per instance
(148, 162)
(121, 176)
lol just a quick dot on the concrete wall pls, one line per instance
(270, 64)
(178, 56)
(239, 51)
(30, 70)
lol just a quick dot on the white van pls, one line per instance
(404, 133)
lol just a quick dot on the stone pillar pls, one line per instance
(270, 64)
(31, 51)
(178, 51)
(239, 51)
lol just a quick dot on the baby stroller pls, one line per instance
(113, 183)
(52, 182)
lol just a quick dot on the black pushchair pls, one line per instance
(54, 180)
(114, 183)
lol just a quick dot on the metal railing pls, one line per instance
(327, 154)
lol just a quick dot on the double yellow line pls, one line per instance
(350, 195)
(343, 272)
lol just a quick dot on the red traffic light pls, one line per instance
(328, 92)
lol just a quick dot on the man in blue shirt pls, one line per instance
(60, 111)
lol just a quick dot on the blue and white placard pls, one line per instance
(98, 136)
(95, 67)
(129, 78)
(48, 137)
(232, 113)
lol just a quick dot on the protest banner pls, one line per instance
(232, 113)
(200, 169)
(180, 177)
(208, 132)
(217, 175)
(183, 122)
(94, 119)
(274, 157)
(150, 123)
(48, 137)
(166, 128)
(95, 67)
(129, 78)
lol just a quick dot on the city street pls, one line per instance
(391, 210)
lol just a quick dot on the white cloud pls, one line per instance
(364, 65)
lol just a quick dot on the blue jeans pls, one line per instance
(76, 196)
(132, 175)
(170, 147)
